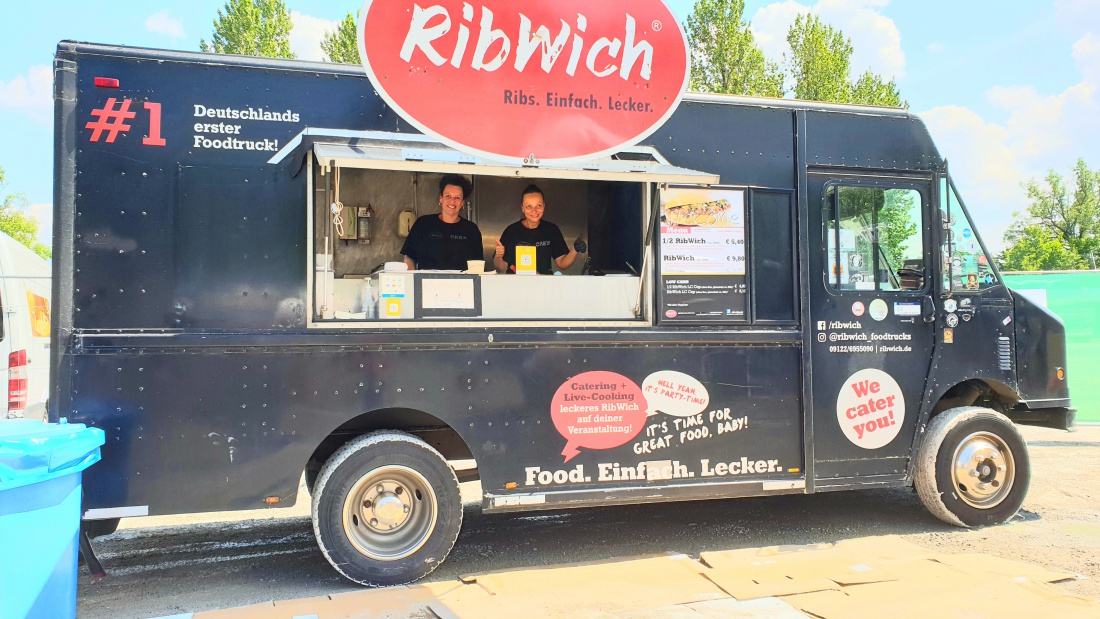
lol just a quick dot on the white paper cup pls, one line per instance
(475, 266)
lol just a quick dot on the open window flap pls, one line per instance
(414, 152)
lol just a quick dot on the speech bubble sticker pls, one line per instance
(674, 393)
(597, 410)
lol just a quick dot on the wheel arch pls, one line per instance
(985, 392)
(437, 433)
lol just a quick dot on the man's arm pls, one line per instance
(409, 263)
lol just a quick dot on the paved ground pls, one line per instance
(175, 565)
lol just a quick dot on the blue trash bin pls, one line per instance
(40, 473)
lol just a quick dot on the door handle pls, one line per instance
(928, 309)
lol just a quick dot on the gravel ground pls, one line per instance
(168, 565)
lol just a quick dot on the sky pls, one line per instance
(1009, 89)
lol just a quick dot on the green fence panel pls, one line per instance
(1075, 298)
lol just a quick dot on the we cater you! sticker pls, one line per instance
(870, 408)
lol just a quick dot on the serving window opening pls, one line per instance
(362, 219)
(369, 189)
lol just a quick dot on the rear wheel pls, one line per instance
(973, 468)
(386, 509)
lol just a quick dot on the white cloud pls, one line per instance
(1086, 53)
(876, 40)
(43, 213)
(935, 48)
(984, 165)
(991, 161)
(305, 38)
(164, 23)
(770, 25)
(31, 94)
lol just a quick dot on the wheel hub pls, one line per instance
(386, 507)
(983, 470)
(390, 513)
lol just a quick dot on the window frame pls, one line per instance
(830, 204)
(648, 187)
(948, 190)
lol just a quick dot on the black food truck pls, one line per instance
(778, 297)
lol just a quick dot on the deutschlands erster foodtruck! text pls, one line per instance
(216, 134)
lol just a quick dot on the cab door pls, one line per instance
(872, 323)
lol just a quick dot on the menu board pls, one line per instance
(703, 255)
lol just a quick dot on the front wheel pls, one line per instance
(972, 468)
(386, 509)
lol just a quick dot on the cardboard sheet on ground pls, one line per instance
(983, 564)
(835, 566)
(883, 548)
(766, 608)
(391, 602)
(946, 592)
(844, 564)
(863, 578)
(746, 586)
(585, 590)
(867, 550)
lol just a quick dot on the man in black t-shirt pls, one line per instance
(532, 231)
(444, 242)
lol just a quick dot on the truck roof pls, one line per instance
(146, 53)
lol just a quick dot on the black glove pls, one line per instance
(580, 245)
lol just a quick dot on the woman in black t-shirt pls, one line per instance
(445, 241)
(532, 231)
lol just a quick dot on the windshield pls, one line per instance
(967, 266)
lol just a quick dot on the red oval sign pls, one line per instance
(560, 80)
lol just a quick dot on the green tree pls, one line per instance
(725, 58)
(252, 28)
(820, 67)
(869, 89)
(1066, 215)
(342, 44)
(16, 223)
(1036, 249)
(820, 62)
(891, 211)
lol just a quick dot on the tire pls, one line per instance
(973, 468)
(386, 509)
(311, 475)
